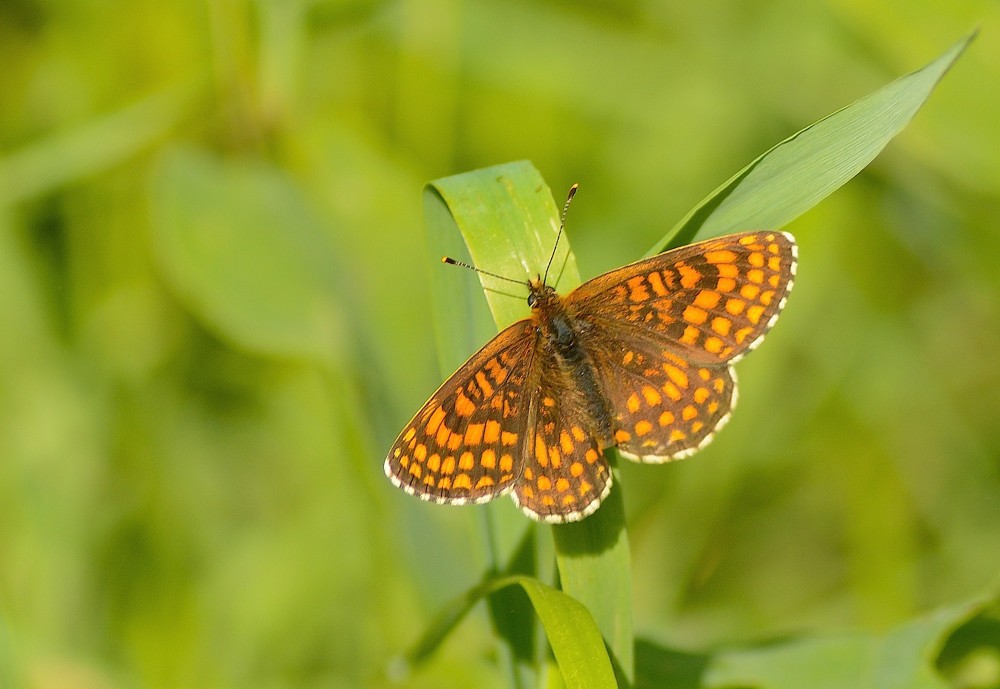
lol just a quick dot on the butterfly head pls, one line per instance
(539, 294)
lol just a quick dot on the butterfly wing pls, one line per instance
(465, 444)
(565, 475)
(709, 302)
(662, 407)
(662, 334)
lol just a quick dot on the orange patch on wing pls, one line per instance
(689, 276)
(721, 325)
(707, 299)
(474, 434)
(690, 335)
(727, 270)
(692, 314)
(541, 452)
(720, 256)
(713, 345)
(656, 283)
(652, 396)
(488, 459)
(676, 375)
(434, 422)
(463, 405)
(484, 384)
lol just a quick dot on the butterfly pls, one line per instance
(639, 358)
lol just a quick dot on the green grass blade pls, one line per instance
(595, 566)
(573, 636)
(808, 166)
(507, 223)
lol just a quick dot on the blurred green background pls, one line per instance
(214, 318)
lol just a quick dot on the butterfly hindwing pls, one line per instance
(662, 406)
(565, 475)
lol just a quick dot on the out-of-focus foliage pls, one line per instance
(191, 492)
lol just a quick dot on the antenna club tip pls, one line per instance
(448, 259)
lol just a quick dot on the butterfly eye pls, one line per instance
(531, 299)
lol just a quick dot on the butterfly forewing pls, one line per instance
(708, 302)
(467, 442)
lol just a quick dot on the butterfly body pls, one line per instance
(560, 341)
(639, 358)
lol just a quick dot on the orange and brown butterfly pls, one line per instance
(640, 358)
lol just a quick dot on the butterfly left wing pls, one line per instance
(465, 443)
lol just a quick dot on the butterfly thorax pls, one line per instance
(565, 363)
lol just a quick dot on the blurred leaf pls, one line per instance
(91, 147)
(657, 667)
(808, 166)
(509, 223)
(246, 255)
(575, 640)
(902, 658)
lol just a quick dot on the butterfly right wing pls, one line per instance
(465, 444)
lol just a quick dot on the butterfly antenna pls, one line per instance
(562, 224)
(453, 262)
